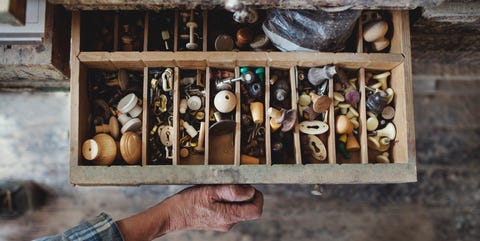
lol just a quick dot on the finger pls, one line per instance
(247, 210)
(234, 193)
(254, 209)
(224, 228)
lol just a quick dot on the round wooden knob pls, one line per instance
(343, 125)
(375, 30)
(101, 149)
(131, 147)
(223, 42)
(388, 113)
(380, 44)
(112, 128)
(225, 101)
(320, 103)
(123, 79)
(244, 36)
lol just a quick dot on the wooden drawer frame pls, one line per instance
(398, 61)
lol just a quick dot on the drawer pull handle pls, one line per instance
(313, 127)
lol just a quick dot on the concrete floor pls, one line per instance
(443, 205)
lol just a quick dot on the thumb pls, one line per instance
(234, 193)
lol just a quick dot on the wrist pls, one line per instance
(147, 225)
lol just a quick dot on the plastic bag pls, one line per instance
(309, 30)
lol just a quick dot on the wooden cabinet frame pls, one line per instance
(398, 61)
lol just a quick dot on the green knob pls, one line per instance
(260, 73)
(342, 148)
(243, 70)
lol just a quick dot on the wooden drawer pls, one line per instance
(206, 167)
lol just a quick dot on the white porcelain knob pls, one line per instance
(194, 103)
(225, 101)
(134, 125)
(190, 129)
(183, 106)
(129, 104)
(123, 118)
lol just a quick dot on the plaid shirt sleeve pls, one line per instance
(100, 228)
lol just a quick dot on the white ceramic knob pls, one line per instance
(225, 101)
(124, 118)
(183, 106)
(194, 103)
(129, 104)
(190, 129)
(134, 125)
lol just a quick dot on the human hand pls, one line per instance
(214, 207)
(205, 207)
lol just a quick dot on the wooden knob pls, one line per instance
(244, 36)
(352, 143)
(374, 30)
(274, 125)
(256, 108)
(249, 160)
(380, 44)
(131, 147)
(320, 103)
(112, 128)
(101, 149)
(343, 125)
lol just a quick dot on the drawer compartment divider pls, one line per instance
(238, 115)
(176, 96)
(363, 115)
(207, 114)
(145, 114)
(331, 149)
(296, 131)
(268, 141)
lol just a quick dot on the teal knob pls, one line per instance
(260, 73)
(243, 70)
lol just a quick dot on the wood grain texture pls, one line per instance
(207, 114)
(363, 117)
(219, 59)
(268, 139)
(145, 119)
(201, 174)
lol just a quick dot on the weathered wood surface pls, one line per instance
(295, 4)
